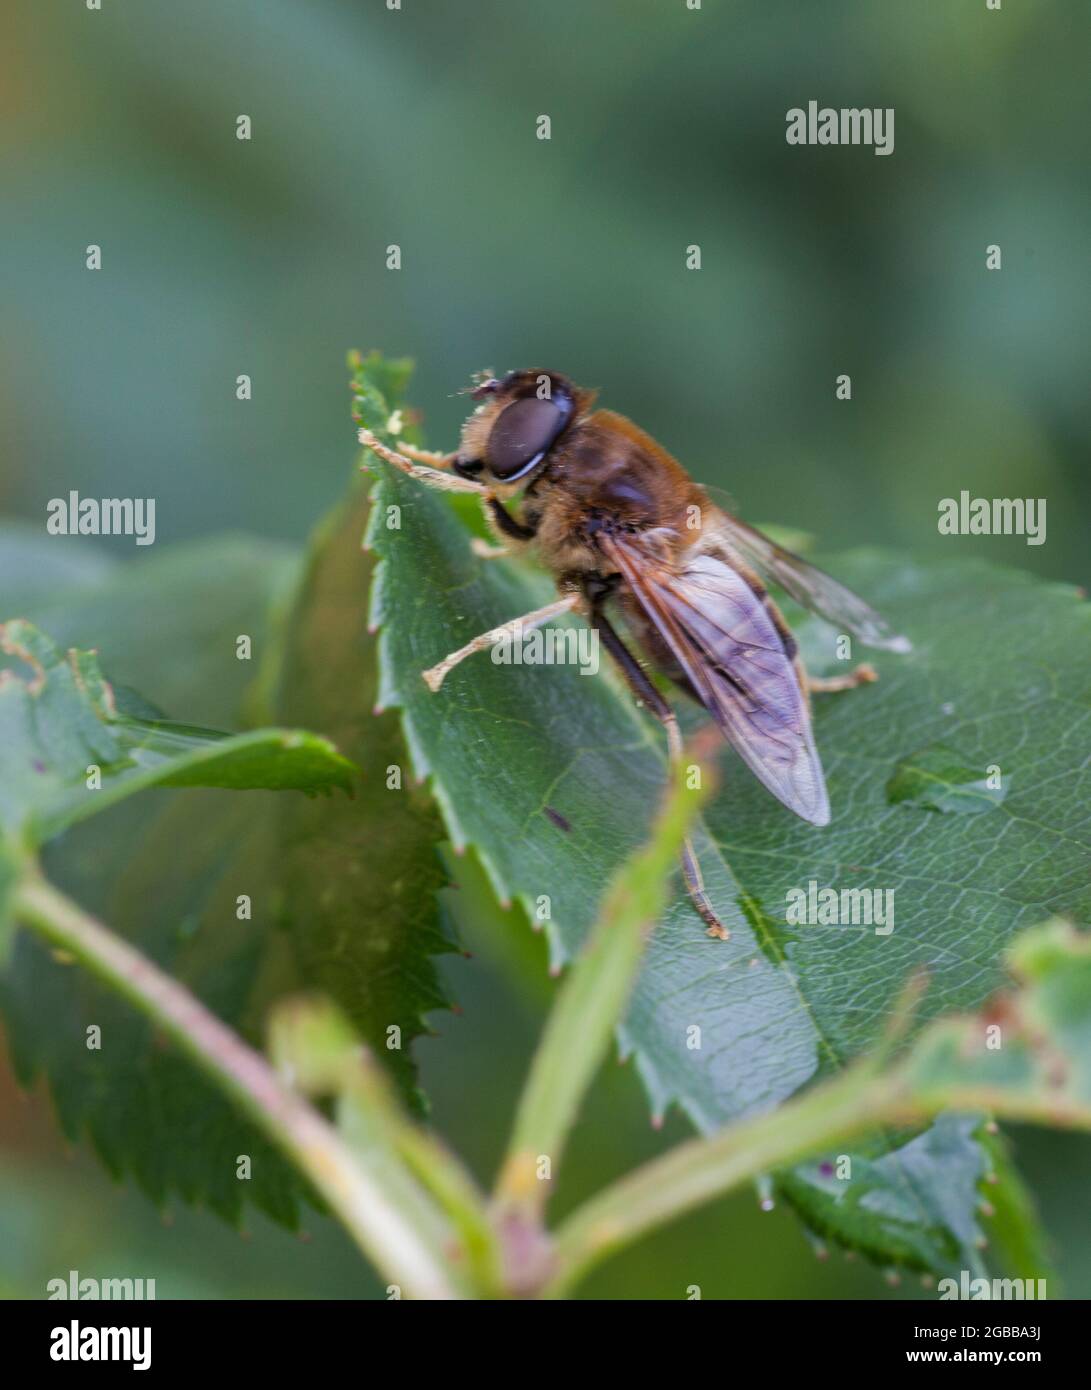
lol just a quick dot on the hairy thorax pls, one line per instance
(609, 475)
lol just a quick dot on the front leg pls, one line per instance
(504, 524)
(434, 470)
(435, 477)
(429, 456)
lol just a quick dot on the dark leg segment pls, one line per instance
(507, 523)
(646, 692)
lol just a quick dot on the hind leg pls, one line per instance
(864, 674)
(647, 694)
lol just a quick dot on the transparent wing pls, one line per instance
(808, 585)
(720, 633)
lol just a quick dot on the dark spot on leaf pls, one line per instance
(556, 818)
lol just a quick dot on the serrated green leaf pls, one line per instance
(962, 883)
(776, 1006)
(1017, 1242)
(166, 624)
(167, 870)
(170, 869)
(1035, 1066)
(358, 889)
(916, 1205)
(58, 722)
(67, 754)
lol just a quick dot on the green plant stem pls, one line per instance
(701, 1169)
(590, 1004)
(445, 1178)
(311, 1042)
(370, 1213)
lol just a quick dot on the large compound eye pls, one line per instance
(523, 432)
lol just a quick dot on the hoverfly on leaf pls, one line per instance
(624, 529)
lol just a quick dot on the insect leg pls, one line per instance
(812, 685)
(502, 524)
(863, 674)
(435, 675)
(428, 456)
(485, 551)
(434, 477)
(505, 524)
(434, 469)
(647, 694)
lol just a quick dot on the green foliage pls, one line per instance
(1038, 1072)
(413, 1175)
(963, 378)
(551, 777)
(168, 869)
(1032, 1049)
(165, 869)
(357, 890)
(776, 1006)
(67, 753)
(62, 724)
(593, 997)
(166, 623)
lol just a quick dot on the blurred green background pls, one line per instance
(417, 127)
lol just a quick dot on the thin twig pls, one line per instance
(382, 1231)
